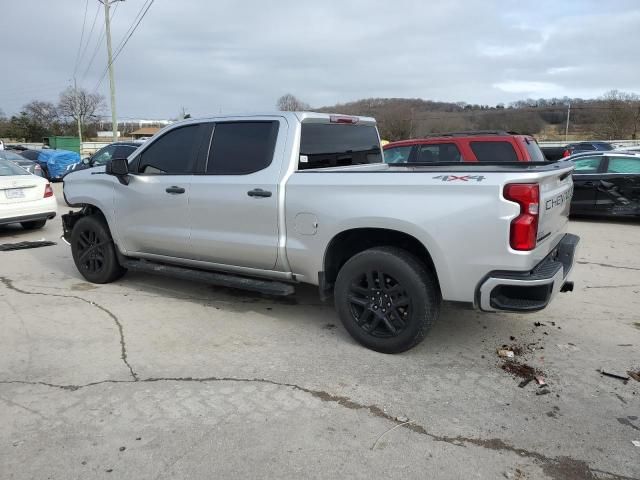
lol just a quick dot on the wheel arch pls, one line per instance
(348, 243)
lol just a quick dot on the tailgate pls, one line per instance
(556, 190)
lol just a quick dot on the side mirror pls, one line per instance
(86, 160)
(119, 167)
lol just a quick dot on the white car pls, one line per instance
(24, 198)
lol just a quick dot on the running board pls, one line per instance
(267, 287)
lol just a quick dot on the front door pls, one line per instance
(152, 211)
(619, 188)
(234, 203)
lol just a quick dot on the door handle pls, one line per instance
(258, 192)
(588, 184)
(175, 190)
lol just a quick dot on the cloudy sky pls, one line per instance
(212, 56)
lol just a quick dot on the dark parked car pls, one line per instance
(574, 148)
(29, 165)
(606, 183)
(104, 155)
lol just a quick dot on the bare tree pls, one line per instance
(43, 114)
(621, 115)
(290, 103)
(81, 105)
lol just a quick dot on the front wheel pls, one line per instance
(94, 252)
(387, 299)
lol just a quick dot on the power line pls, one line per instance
(124, 43)
(90, 36)
(84, 21)
(98, 42)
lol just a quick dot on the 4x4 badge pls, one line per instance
(463, 178)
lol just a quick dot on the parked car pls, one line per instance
(104, 155)
(265, 202)
(606, 183)
(30, 153)
(29, 165)
(481, 146)
(553, 154)
(579, 147)
(24, 198)
(54, 162)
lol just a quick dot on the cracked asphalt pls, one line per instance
(153, 378)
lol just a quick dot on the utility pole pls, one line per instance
(75, 91)
(566, 128)
(112, 82)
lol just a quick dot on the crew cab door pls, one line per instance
(619, 187)
(234, 199)
(586, 178)
(151, 212)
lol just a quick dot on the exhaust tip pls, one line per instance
(567, 287)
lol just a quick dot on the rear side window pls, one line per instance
(604, 146)
(494, 152)
(533, 148)
(584, 147)
(397, 154)
(335, 145)
(587, 164)
(240, 148)
(172, 153)
(623, 165)
(438, 152)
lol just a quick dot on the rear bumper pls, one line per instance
(28, 218)
(532, 290)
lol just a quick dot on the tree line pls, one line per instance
(615, 115)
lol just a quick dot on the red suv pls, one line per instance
(481, 146)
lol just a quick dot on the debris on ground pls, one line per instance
(540, 381)
(521, 370)
(5, 247)
(543, 391)
(636, 443)
(506, 353)
(568, 346)
(525, 382)
(634, 375)
(612, 374)
(538, 324)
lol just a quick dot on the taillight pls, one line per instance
(37, 170)
(566, 153)
(524, 228)
(48, 191)
(343, 119)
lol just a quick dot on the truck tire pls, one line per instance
(94, 252)
(34, 225)
(386, 299)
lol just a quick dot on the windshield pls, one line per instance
(337, 145)
(8, 169)
(8, 155)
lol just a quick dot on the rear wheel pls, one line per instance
(34, 225)
(94, 252)
(387, 299)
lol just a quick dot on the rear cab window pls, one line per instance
(397, 154)
(493, 151)
(325, 145)
(533, 149)
(438, 152)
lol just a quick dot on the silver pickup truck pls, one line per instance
(264, 202)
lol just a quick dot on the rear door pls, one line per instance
(619, 187)
(494, 151)
(438, 151)
(152, 211)
(585, 183)
(234, 199)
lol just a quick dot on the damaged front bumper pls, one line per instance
(68, 221)
(532, 290)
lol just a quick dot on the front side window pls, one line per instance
(587, 164)
(123, 151)
(438, 152)
(172, 153)
(623, 165)
(494, 151)
(104, 155)
(397, 154)
(240, 148)
(335, 145)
